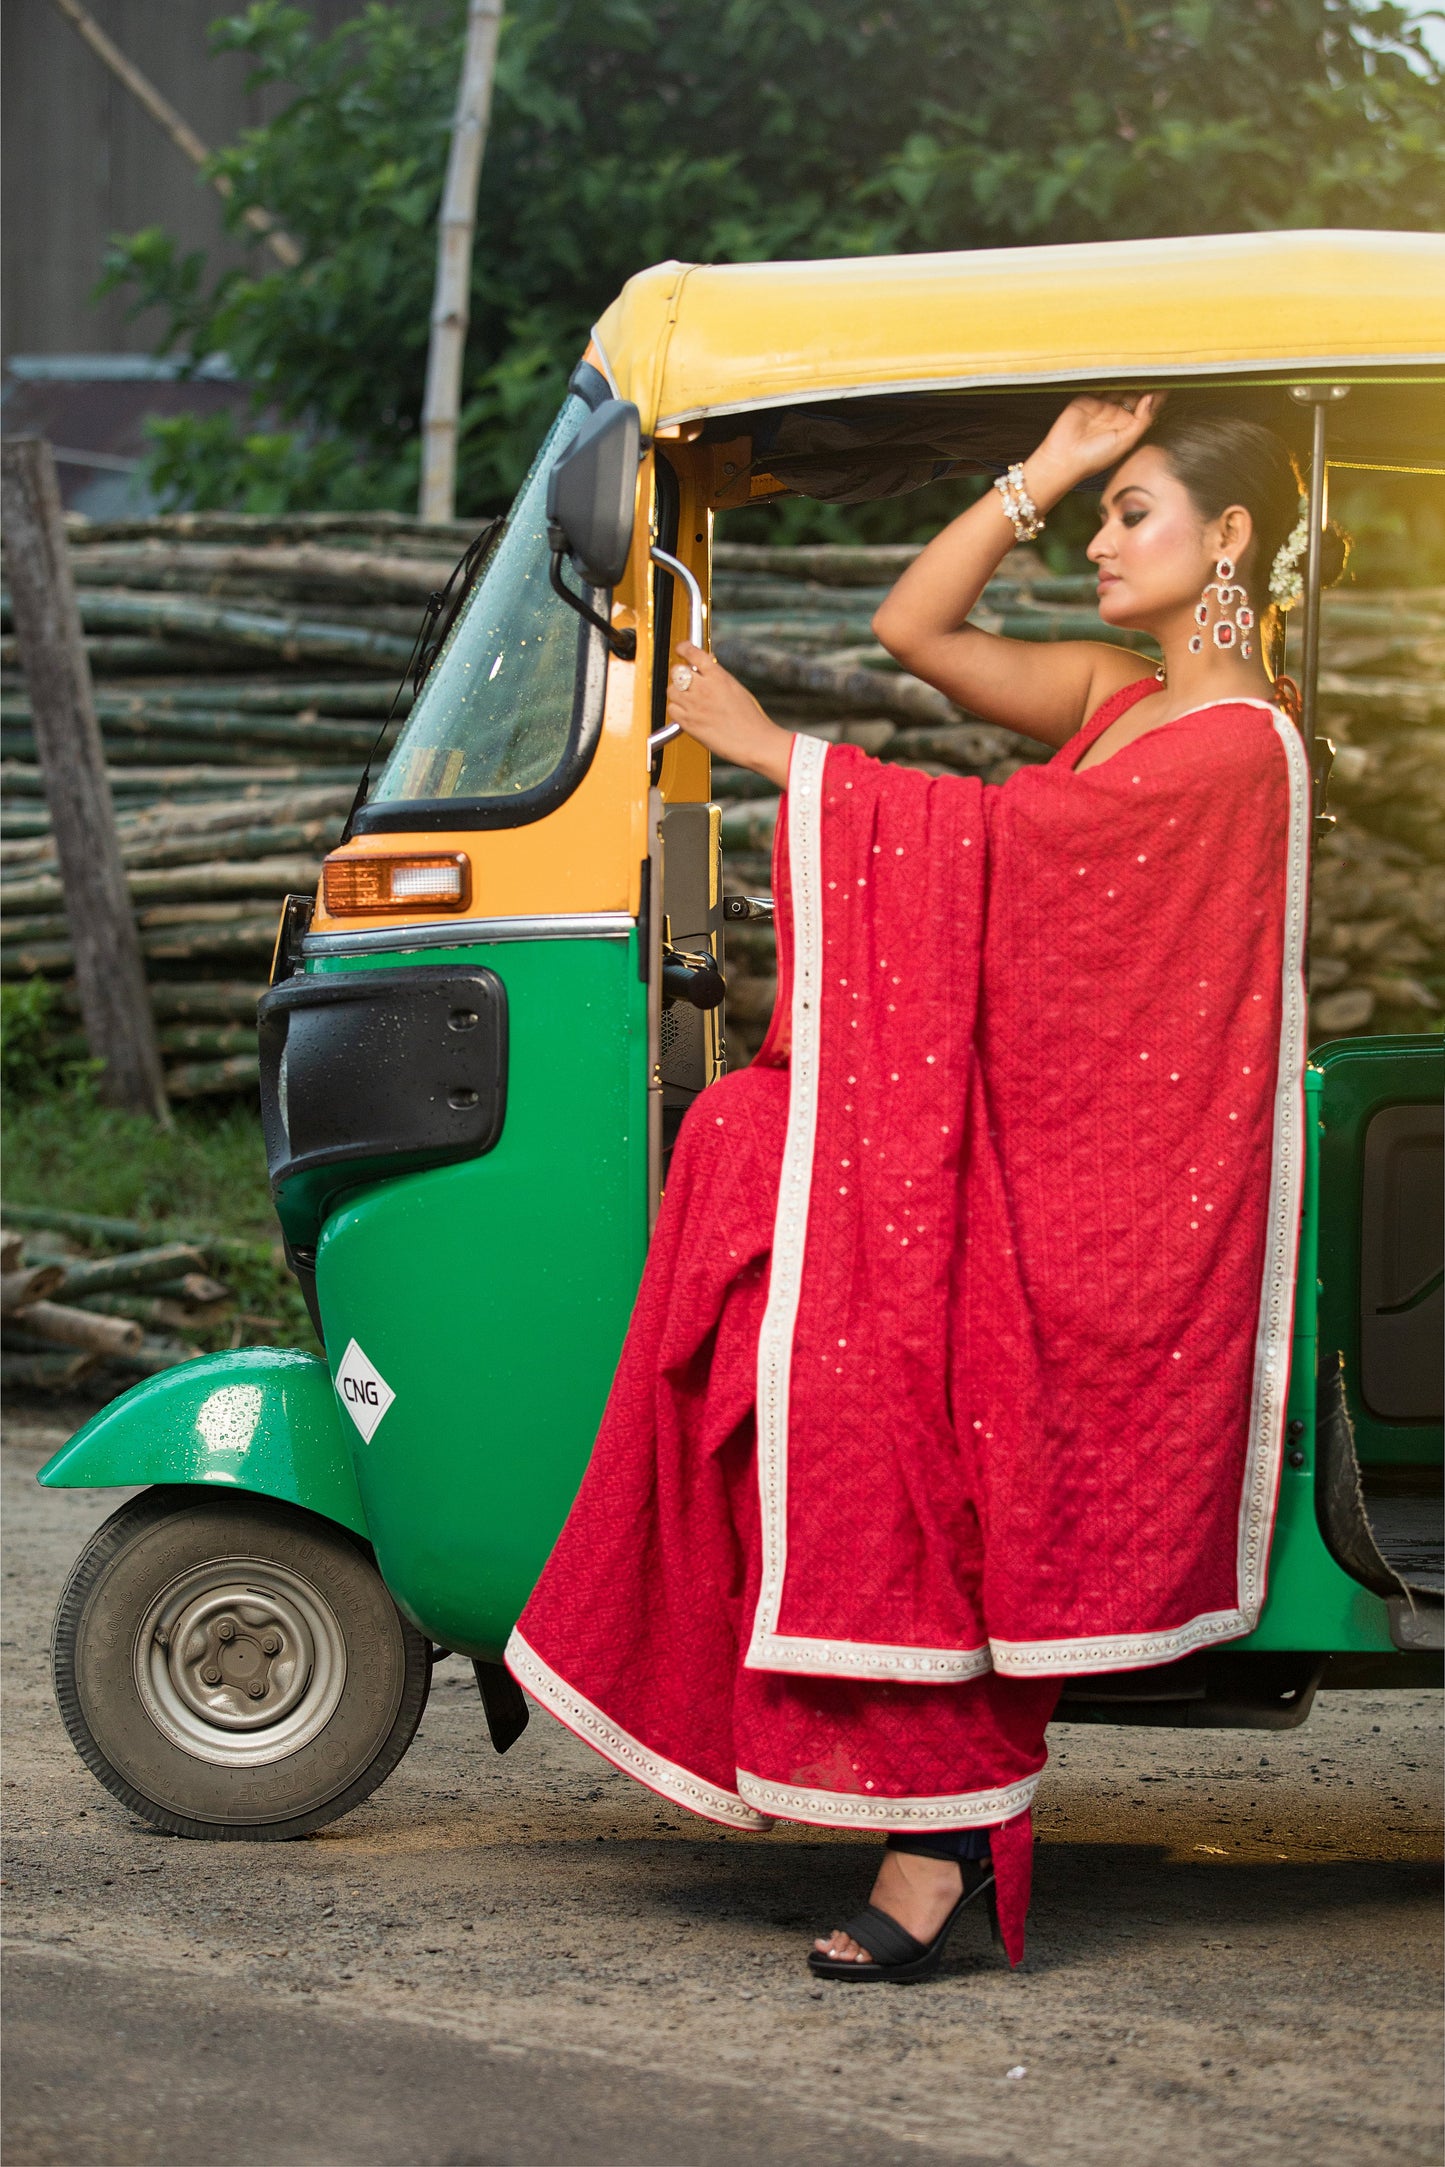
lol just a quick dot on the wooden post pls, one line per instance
(110, 980)
(451, 297)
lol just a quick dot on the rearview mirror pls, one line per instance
(591, 492)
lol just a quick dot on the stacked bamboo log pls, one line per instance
(70, 1315)
(796, 625)
(242, 669)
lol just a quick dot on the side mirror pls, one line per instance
(591, 493)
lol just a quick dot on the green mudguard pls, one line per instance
(261, 1418)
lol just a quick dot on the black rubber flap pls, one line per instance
(1340, 1506)
(395, 1069)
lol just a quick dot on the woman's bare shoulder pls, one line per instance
(1098, 674)
(1115, 668)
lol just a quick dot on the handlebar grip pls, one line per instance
(679, 570)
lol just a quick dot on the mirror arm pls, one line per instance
(621, 644)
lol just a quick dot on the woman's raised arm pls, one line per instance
(1045, 691)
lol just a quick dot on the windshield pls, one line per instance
(496, 712)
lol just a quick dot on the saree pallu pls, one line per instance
(960, 1358)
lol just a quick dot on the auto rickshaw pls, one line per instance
(483, 1030)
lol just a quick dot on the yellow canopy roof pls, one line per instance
(684, 340)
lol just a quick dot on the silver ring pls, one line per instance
(683, 676)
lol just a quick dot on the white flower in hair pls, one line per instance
(1286, 582)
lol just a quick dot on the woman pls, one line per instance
(959, 1362)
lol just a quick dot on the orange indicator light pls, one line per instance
(357, 887)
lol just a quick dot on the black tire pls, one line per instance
(234, 1669)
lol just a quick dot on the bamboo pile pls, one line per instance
(796, 626)
(69, 1315)
(242, 669)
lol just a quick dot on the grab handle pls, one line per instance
(679, 570)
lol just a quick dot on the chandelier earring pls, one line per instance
(1227, 617)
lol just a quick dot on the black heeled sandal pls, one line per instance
(899, 1955)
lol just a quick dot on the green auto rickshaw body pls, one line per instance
(500, 1350)
(492, 1296)
(1312, 1602)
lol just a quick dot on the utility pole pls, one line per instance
(109, 975)
(451, 296)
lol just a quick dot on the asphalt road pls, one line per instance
(1234, 1958)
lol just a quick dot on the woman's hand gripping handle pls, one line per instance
(721, 714)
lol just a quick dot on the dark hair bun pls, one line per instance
(1222, 459)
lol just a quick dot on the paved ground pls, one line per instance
(530, 1961)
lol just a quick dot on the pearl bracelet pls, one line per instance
(1022, 511)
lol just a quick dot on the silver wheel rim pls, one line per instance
(240, 1661)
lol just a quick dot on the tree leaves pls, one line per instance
(625, 131)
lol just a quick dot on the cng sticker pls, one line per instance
(365, 1393)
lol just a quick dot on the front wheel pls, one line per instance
(234, 1668)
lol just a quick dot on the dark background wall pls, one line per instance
(81, 159)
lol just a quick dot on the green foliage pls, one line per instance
(627, 131)
(205, 1175)
(38, 1049)
(206, 1172)
(26, 1058)
(208, 463)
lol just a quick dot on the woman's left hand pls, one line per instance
(1092, 434)
(721, 714)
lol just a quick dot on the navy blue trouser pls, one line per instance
(942, 1843)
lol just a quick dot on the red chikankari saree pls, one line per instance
(960, 1357)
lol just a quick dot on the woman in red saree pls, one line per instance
(960, 1358)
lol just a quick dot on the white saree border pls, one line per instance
(587, 1722)
(757, 1802)
(846, 1809)
(1270, 1388)
(769, 1649)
